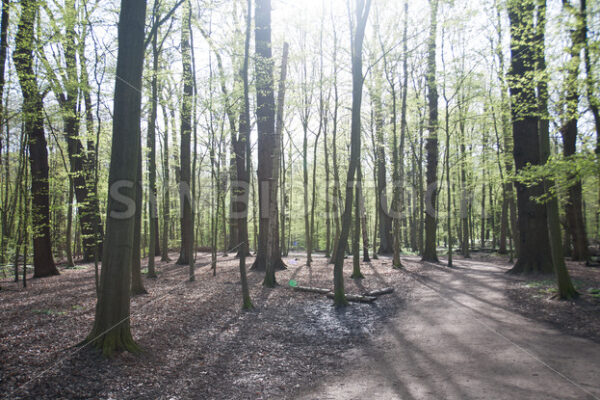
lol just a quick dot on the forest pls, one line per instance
(339, 199)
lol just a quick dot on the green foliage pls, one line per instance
(565, 172)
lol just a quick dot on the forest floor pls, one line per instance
(469, 332)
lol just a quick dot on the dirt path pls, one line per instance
(458, 339)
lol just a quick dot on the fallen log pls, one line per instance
(379, 292)
(312, 289)
(355, 297)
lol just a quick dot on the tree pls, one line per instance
(4, 21)
(534, 247)
(242, 149)
(185, 196)
(272, 236)
(508, 225)
(431, 146)
(153, 247)
(67, 91)
(265, 123)
(111, 331)
(385, 222)
(569, 132)
(565, 287)
(357, 38)
(242, 142)
(33, 114)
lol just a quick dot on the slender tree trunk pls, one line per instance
(569, 132)
(465, 201)
(327, 185)
(241, 165)
(430, 251)
(242, 146)
(185, 196)
(356, 274)
(165, 189)
(362, 13)
(69, 232)
(400, 208)
(566, 290)
(91, 165)
(4, 22)
(307, 236)
(336, 195)
(151, 144)
(269, 280)
(385, 222)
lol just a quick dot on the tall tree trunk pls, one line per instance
(336, 173)
(362, 13)
(91, 166)
(242, 170)
(324, 117)
(265, 116)
(69, 231)
(166, 198)
(534, 246)
(185, 196)
(356, 274)
(81, 166)
(242, 146)
(430, 251)
(5, 232)
(111, 331)
(385, 222)
(485, 178)
(573, 207)
(509, 213)
(269, 280)
(590, 83)
(314, 194)
(401, 208)
(43, 262)
(465, 201)
(151, 144)
(4, 21)
(566, 290)
(307, 236)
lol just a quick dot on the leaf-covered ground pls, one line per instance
(534, 296)
(197, 342)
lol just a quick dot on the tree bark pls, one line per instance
(385, 222)
(153, 249)
(569, 132)
(431, 146)
(566, 290)
(534, 246)
(362, 13)
(269, 280)
(242, 146)
(265, 115)
(33, 113)
(111, 331)
(185, 195)
(166, 198)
